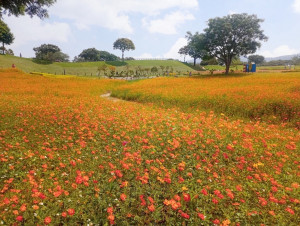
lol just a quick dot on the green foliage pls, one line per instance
(233, 35)
(106, 56)
(89, 55)
(196, 46)
(123, 44)
(6, 37)
(258, 59)
(209, 61)
(30, 7)
(50, 53)
(84, 68)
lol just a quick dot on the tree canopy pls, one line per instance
(258, 59)
(123, 44)
(21, 7)
(184, 51)
(196, 46)
(50, 52)
(6, 37)
(89, 55)
(106, 56)
(233, 35)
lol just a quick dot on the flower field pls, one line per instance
(70, 157)
(269, 97)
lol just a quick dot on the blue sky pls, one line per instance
(157, 27)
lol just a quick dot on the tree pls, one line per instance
(49, 52)
(258, 59)
(196, 45)
(90, 55)
(6, 37)
(296, 60)
(21, 7)
(106, 56)
(103, 68)
(233, 35)
(184, 51)
(123, 44)
(209, 61)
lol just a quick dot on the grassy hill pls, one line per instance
(85, 68)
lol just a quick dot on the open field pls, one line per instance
(271, 97)
(70, 157)
(86, 68)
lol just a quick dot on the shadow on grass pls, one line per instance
(196, 67)
(230, 75)
(44, 62)
(116, 63)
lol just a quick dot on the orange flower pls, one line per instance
(151, 207)
(23, 208)
(271, 212)
(123, 197)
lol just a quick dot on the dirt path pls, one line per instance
(108, 97)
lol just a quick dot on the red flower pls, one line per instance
(151, 200)
(71, 211)
(143, 202)
(19, 218)
(185, 215)
(47, 220)
(204, 192)
(177, 197)
(79, 180)
(123, 197)
(290, 210)
(186, 197)
(216, 221)
(215, 201)
(110, 210)
(64, 214)
(201, 216)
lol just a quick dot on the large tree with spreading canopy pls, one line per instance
(123, 44)
(21, 7)
(6, 37)
(233, 35)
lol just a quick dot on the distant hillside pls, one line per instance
(85, 68)
(287, 57)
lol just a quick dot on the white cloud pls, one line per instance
(296, 6)
(173, 52)
(231, 12)
(26, 29)
(168, 25)
(147, 56)
(280, 51)
(113, 14)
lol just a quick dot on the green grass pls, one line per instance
(85, 68)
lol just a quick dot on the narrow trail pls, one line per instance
(108, 97)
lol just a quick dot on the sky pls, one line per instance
(156, 27)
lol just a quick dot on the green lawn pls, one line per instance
(86, 68)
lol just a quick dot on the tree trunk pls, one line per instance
(3, 48)
(227, 63)
(195, 61)
(122, 55)
(227, 68)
